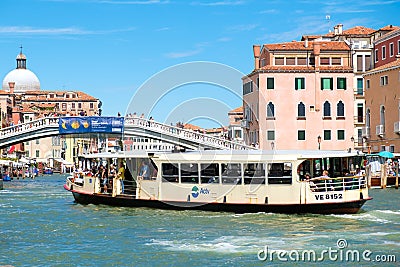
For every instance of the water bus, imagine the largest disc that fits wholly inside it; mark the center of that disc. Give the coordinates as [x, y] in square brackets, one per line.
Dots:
[234, 181]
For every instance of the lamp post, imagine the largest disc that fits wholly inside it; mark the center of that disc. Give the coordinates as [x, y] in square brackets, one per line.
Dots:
[319, 142]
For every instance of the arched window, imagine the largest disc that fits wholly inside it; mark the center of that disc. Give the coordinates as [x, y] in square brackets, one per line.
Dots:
[327, 109]
[368, 118]
[301, 110]
[270, 110]
[340, 109]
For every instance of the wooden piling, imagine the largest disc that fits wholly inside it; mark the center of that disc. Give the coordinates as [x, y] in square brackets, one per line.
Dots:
[397, 176]
[383, 176]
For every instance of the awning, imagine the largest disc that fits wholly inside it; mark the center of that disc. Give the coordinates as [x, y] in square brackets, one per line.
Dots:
[64, 162]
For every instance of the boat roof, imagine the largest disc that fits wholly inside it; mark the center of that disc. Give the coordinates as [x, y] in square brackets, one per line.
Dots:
[230, 155]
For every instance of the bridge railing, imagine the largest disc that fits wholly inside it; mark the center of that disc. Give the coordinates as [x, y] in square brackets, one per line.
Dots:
[196, 137]
[201, 139]
[29, 126]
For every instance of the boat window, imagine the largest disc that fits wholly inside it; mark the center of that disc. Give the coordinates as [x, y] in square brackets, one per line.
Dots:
[254, 173]
[280, 173]
[209, 173]
[231, 173]
[304, 167]
[170, 172]
[189, 173]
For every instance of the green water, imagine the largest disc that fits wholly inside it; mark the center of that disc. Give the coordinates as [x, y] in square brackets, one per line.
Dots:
[40, 225]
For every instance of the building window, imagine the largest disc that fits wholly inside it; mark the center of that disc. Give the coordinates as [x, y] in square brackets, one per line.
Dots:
[398, 47]
[91, 105]
[368, 62]
[247, 88]
[340, 109]
[270, 83]
[302, 61]
[391, 49]
[368, 85]
[326, 83]
[359, 63]
[64, 106]
[291, 61]
[79, 105]
[336, 61]
[270, 135]
[360, 112]
[37, 141]
[327, 135]
[279, 61]
[383, 52]
[391, 148]
[359, 86]
[270, 110]
[73, 105]
[340, 134]
[37, 152]
[301, 110]
[301, 135]
[384, 80]
[327, 109]
[341, 83]
[299, 83]
[376, 55]
[324, 61]
[258, 83]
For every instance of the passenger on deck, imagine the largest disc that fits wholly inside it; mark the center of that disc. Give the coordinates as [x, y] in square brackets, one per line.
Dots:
[121, 175]
[144, 171]
[112, 173]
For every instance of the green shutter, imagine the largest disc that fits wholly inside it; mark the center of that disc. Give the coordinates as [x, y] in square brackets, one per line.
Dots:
[299, 83]
[341, 83]
[270, 83]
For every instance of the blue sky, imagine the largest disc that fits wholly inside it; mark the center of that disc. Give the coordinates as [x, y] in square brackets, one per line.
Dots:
[109, 48]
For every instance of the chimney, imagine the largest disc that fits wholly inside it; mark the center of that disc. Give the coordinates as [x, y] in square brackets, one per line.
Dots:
[256, 52]
[306, 42]
[335, 29]
[340, 28]
[11, 85]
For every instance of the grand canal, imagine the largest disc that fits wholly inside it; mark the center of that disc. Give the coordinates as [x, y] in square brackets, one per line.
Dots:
[40, 225]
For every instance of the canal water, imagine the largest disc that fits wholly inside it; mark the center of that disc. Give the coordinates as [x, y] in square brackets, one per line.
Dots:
[40, 225]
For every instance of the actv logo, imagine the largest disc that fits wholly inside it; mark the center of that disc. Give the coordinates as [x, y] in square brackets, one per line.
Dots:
[196, 191]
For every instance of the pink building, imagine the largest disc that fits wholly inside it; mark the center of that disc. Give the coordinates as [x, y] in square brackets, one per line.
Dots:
[300, 96]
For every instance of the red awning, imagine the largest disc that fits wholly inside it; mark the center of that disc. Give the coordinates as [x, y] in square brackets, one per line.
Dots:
[11, 149]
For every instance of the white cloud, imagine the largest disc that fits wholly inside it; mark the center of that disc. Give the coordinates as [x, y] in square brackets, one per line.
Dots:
[220, 3]
[144, 2]
[269, 11]
[224, 39]
[56, 31]
[243, 27]
[31, 30]
[162, 29]
[183, 54]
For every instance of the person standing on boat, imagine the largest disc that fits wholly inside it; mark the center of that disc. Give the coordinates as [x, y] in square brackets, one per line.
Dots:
[102, 176]
[121, 175]
[144, 171]
[111, 175]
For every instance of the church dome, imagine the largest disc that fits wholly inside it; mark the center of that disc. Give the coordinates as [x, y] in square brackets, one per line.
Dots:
[24, 79]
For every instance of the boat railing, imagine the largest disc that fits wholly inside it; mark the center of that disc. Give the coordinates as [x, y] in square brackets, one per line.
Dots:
[323, 184]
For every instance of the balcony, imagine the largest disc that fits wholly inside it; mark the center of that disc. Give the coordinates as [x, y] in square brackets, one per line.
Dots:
[397, 127]
[366, 132]
[380, 130]
[245, 124]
